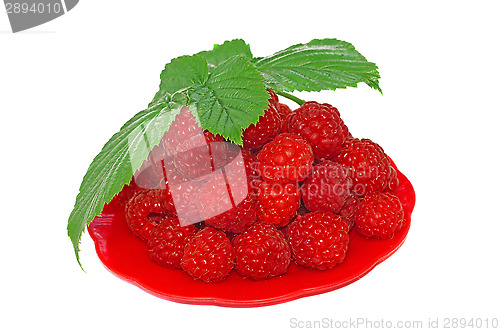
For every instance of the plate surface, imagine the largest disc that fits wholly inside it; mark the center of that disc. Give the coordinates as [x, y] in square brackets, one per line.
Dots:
[127, 257]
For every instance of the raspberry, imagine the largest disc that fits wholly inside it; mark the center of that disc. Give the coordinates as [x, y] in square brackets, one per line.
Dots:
[318, 240]
[238, 156]
[285, 113]
[370, 168]
[184, 128]
[141, 212]
[167, 240]
[274, 100]
[348, 211]
[266, 128]
[287, 158]
[321, 126]
[327, 188]
[196, 157]
[181, 198]
[126, 193]
[227, 205]
[261, 252]
[208, 256]
[336, 115]
[277, 204]
[380, 215]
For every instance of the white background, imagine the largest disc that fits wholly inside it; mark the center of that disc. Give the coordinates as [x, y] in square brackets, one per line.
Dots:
[68, 85]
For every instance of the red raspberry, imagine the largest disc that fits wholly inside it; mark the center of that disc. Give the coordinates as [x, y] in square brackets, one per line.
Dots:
[288, 158]
[285, 113]
[274, 100]
[320, 125]
[183, 128]
[327, 188]
[369, 166]
[380, 215]
[227, 204]
[167, 241]
[277, 204]
[318, 240]
[348, 211]
[261, 252]
[126, 193]
[238, 156]
[182, 198]
[266, 128]
[250, 164]
[336, 115]
[197, 156]
[142, 210]
[208, 256]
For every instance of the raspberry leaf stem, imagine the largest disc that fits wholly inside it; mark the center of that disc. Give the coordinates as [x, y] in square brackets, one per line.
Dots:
[291, 97]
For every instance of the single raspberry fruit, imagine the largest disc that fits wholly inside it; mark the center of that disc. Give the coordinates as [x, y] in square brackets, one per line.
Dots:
[182, 199]
[370, 168]
[167, 240]
[277, 203]
[183, 129]
[261, 252]
[320, 125]
[287, 158]
[266, 128]
[348, 211]
[327, 188]
[380, 215]
[274, 100]
[285, 113]
[225, 202]
[318, 240]
[197, 156]
[208, 256]
[142, 212]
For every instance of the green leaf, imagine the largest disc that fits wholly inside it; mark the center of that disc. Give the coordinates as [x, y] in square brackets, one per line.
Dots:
[325, 64]
[232, 98]
[221, 53]
[115, 165]
[179, 74]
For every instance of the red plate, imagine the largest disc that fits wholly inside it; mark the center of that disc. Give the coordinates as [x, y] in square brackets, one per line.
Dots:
[127, 257]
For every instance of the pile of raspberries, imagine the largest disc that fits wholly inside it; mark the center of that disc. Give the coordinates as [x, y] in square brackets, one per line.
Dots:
[294, 191]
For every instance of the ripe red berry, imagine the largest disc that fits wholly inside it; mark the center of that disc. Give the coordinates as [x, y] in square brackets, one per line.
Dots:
[208, 256]
[261, 252]
[318, 240]
[380, 215]
[184, 128]
[348, 211]
[285, 113]
[142, 210]
[266, 128]
[287, 158]
[167, 241]
[195, 158]
[327, 188]
[277, 203]
[320, 125]
[225, 202]
[182, 199]
[370, 168]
